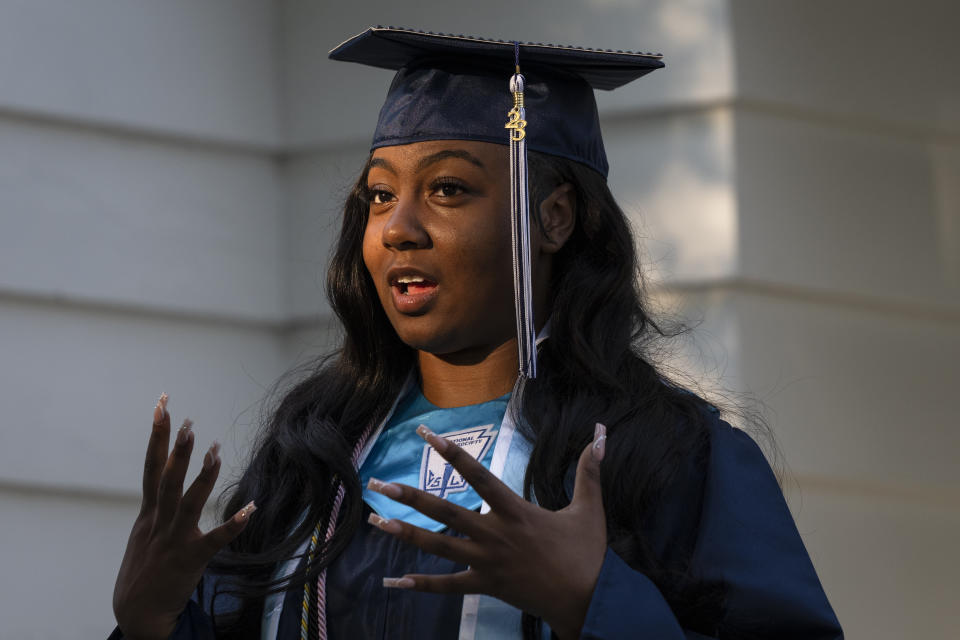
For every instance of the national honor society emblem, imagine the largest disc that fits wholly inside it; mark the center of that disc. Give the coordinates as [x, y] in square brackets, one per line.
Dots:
[437, 476]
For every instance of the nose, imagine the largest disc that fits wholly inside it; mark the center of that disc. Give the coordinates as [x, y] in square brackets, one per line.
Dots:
[404, 230]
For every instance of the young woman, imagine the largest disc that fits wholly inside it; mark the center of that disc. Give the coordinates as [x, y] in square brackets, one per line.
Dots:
[598, 499]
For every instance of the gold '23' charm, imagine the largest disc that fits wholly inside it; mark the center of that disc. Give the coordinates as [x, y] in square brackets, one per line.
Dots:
[516, 124]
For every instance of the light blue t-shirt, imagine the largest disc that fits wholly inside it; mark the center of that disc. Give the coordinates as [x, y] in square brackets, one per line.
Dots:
[400, 455]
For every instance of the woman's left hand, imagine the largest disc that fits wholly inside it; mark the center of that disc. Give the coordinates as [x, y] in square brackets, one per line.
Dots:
[543, 562]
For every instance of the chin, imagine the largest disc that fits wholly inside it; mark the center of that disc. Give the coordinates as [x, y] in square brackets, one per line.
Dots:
[423, 337]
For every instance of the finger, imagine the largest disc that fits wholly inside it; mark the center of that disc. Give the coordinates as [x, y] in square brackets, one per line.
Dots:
[453, 515]
[587, 488]
[457, 549]
[171, 480]
[216, 539]
[157, 448]
[498, 495]
[191, 506]
[461, 582]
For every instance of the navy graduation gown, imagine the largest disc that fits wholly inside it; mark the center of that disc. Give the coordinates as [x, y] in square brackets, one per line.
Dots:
[729, 516]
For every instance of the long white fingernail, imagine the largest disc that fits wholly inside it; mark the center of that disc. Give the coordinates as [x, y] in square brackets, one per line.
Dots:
[244, 513]
[390, 526]
[438, 443]
[184, 433]
[160, 410]
[399, 583]
[599, 441]
[386, 488]
[212, 456]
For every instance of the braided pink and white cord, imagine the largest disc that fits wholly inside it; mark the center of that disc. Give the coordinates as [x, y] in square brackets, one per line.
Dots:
[331, 527]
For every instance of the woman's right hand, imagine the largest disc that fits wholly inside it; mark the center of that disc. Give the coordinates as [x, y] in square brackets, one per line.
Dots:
[167, 553]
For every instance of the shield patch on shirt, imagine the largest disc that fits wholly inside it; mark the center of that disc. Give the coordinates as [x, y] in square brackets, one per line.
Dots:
[437, 476]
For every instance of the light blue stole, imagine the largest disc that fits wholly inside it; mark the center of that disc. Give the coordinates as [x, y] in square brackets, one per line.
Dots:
[400, 455]
[483, 617]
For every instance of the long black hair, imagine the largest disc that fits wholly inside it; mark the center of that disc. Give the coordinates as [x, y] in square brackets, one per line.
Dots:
[599, 364]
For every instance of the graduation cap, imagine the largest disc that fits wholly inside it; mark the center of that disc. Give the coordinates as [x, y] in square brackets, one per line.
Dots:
[456, 87]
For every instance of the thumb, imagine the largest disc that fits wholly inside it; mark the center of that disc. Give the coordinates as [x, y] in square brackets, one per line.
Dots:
[216, 539]
[587, 491]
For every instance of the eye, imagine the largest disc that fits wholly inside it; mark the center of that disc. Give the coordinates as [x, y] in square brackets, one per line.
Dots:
[447, 188]
[379, 196]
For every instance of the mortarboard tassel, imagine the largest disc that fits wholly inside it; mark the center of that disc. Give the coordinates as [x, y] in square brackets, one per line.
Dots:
[520, 225]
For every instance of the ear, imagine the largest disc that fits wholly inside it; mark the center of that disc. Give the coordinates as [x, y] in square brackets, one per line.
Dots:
[557, 218]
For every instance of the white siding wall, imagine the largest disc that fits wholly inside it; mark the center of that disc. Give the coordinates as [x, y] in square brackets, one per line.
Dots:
[203, 69]
[141, 250]
[170, 180]
[848, 291]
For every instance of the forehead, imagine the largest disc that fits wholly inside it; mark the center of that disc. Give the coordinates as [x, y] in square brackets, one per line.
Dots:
[490, 157]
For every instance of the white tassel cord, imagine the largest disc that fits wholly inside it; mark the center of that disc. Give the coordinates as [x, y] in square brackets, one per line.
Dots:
[520, 231]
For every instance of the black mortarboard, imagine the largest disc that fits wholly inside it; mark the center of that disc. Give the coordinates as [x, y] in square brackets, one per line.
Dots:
[455, 87]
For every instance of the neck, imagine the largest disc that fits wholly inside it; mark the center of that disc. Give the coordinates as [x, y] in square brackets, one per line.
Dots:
[468, 378]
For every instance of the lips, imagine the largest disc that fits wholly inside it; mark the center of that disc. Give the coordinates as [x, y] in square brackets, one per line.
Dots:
[412, 290]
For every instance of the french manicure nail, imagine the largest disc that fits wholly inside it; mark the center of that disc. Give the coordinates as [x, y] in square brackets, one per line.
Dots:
[598, 430]
[399, 583]
[438, 443]
[244, 513]
[390, 526]
[160, 410]
[424, 431]
[599, 441]
[183, 435]
[386, 488]
[212, 456]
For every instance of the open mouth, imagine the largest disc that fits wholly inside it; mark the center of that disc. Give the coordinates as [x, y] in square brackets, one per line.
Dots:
[414, 285]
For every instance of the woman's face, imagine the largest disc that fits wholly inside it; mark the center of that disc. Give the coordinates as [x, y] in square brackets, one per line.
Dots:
[437, 244]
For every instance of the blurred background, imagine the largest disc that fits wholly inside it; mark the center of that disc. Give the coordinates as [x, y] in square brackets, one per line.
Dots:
[170, 181]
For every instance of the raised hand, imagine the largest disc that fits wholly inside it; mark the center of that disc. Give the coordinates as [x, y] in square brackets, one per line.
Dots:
[167, 553]
[544, 562]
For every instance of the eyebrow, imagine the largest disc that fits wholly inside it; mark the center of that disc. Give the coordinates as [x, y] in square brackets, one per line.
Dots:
[383, 163]
[433, 158]
[449, 153]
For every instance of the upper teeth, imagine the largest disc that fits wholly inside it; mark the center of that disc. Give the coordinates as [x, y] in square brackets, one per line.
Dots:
[409, 279]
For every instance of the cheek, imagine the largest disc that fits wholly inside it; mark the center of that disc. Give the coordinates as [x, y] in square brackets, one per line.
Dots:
[374, 254]
[486, 262]
[371, 248]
